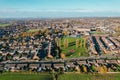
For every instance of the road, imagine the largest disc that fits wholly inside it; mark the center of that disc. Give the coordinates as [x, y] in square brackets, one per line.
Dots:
[82, 60]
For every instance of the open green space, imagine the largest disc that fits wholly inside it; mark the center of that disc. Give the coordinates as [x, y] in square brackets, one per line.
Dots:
[33, 30]
[4, 25]
[72, 51]
[25, 76]
[65, 76]
[77, 76]
[98, 33]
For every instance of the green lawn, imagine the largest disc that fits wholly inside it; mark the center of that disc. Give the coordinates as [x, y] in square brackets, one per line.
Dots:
[4, 25]
[98, 33]
[65, 76]
[77, 76]
[25, 76]
[80, 51]
[33, 30]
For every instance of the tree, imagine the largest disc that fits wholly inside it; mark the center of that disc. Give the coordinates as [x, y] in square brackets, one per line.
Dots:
[65, 32]
[84, 43]
[9, 56]
[84, 69]
[81, 43]
[65, 43]
[58, 41]
[102, 69]
[62, 55]
[77, 42]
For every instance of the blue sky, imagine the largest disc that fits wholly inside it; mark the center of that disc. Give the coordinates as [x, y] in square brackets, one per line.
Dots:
[59, 8]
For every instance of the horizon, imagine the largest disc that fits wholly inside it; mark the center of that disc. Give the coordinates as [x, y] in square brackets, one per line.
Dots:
[59, 8]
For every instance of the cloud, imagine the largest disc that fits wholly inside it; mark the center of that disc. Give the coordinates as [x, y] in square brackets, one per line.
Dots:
[65, 10]
[57, 10]
[8, 13]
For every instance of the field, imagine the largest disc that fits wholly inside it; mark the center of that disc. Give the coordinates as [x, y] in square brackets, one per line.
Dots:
[65, 76]
[33, 30]
[98, 33]
[71, 51]
[3, 25]
[25, 76]
[76, 76]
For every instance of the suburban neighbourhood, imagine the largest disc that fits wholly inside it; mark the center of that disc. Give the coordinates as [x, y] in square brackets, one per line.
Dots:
[59, 40]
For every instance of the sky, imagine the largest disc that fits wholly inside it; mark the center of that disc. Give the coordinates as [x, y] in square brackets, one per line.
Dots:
[59, 8]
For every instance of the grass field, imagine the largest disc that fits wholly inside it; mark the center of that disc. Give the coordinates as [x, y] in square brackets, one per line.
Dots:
[98, 33]
[3, 25]
[76, 76]
[33, 30]
[80, 51]
[25, 76]
[65, 76]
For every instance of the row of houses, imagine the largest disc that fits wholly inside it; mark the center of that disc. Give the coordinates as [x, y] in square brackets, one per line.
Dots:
[105, 44]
